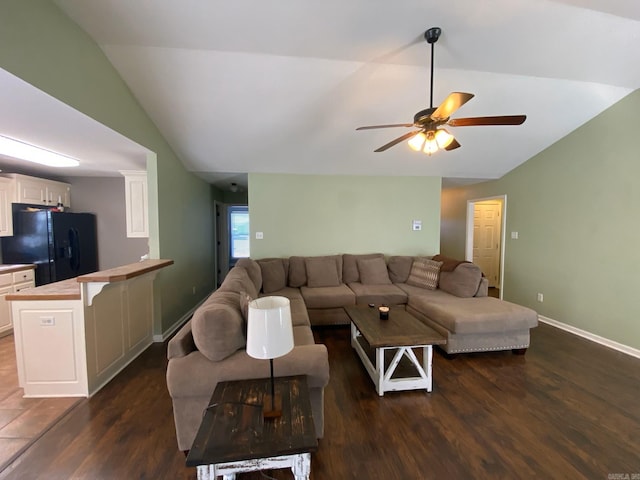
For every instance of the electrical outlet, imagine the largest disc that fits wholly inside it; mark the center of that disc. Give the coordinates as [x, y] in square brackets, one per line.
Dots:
[540, 297]
[47, 321]
[259, 235]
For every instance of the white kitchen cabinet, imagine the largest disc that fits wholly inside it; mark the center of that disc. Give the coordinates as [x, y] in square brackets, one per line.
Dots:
[137, 203]
[6, 198]
[39, 191]
[11, 282]
[58, 192]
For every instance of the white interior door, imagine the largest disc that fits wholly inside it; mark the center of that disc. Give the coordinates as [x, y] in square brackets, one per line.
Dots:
[486, 239]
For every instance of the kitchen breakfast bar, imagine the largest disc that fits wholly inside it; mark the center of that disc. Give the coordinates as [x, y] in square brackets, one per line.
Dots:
[74, 336]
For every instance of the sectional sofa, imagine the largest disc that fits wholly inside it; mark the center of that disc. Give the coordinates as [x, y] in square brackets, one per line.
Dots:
[446, 294]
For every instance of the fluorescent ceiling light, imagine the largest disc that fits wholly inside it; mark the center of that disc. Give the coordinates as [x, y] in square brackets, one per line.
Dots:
[24, 151]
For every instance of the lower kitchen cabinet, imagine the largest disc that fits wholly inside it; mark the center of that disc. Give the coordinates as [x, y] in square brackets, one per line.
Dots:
[12, 279]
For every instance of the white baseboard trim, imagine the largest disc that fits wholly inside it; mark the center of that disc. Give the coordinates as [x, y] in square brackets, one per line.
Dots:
[181, 321]
[591, 336]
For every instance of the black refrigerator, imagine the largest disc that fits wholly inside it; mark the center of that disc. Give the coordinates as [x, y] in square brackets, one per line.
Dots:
[61, 244]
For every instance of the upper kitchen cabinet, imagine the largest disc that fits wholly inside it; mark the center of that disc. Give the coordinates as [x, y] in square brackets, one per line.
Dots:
[137, 203]
[39, 191]
[7, 194]
[16, 188]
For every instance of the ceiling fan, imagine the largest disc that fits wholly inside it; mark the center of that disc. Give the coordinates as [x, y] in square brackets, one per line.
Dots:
[430, 135]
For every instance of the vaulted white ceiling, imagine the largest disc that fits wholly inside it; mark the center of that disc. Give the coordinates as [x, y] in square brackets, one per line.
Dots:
[280, 86]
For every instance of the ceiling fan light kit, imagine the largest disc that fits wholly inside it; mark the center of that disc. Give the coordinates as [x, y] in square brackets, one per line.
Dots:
[430, 136]
[430, 142]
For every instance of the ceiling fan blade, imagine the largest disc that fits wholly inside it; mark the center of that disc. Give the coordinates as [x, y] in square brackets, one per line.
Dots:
[452, 103]
[406, 136]
[370, 127]
[452, 146]
[500, 120]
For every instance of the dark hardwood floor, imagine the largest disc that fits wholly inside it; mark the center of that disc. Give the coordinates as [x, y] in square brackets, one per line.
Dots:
[569, 408]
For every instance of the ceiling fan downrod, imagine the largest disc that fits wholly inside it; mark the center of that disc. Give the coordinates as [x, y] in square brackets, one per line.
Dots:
[431, 36]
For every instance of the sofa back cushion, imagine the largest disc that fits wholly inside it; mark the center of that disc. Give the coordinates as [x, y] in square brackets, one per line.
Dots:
[424, 273]
[253, 269]
[274, 274]
[350, 271]
[324, 271]
[238, 280]
[399, 267]
[373, 271]
[218, 326]
[297, 272]
[463, 281]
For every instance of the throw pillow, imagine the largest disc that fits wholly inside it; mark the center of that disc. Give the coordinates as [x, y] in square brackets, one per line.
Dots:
[424, 273]
[350, 273]
[322, 272]
[274, 277]
[373, 271]
[399, 267]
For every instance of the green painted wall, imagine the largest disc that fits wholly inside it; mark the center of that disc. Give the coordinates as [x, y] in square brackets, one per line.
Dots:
[319, 214]
[39, 44]
[576, 207]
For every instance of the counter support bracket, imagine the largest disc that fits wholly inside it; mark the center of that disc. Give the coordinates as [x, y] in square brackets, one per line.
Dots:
[93, 289]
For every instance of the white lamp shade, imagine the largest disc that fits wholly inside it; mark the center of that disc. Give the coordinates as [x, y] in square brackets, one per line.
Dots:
[269, 327]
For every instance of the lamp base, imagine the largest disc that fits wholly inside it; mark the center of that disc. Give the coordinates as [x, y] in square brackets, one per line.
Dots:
[272, 409]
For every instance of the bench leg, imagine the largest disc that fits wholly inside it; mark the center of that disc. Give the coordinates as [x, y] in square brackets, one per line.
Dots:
[519, 351]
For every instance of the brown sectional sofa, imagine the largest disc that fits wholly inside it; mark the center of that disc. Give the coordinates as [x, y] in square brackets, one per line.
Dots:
[211, 347]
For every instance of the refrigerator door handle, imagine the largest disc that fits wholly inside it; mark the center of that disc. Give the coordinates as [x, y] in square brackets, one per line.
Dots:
[74, 249]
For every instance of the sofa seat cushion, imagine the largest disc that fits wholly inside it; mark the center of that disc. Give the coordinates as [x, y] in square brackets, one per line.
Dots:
[473, 315]
[378, 294]
[299, 315]
[302, 335]
[289, 292]
[310, 360]
[328, 297]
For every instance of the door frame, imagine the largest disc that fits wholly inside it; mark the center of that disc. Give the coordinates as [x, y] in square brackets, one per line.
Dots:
[503, 228]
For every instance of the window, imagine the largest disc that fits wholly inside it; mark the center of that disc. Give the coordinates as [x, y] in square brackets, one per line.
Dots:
[238, 232]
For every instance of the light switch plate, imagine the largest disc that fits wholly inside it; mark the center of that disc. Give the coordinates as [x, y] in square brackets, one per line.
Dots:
[417, 225]
[514, 235]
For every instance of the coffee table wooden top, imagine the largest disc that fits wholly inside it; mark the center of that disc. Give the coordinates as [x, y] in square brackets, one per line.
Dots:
[401, 329]
[233, 428]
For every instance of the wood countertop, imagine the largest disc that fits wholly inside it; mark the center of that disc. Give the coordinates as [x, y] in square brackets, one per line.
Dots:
[64, 290]
[125, 272]
[70, 289]
[15, 268]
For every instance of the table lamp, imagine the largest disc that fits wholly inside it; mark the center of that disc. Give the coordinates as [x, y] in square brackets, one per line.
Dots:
[269, 336]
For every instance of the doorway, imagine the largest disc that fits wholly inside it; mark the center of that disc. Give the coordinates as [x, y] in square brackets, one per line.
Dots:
[232, 237]
[486, 223]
